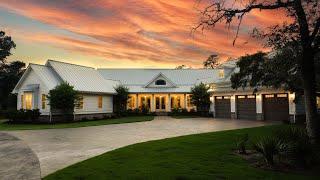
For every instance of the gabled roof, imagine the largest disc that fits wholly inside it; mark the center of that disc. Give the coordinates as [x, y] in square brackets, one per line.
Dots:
[46, 74]
[84, 79]
[140, 77]
[160, 75]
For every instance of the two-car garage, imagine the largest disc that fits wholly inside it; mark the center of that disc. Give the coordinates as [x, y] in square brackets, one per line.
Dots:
[274, 107]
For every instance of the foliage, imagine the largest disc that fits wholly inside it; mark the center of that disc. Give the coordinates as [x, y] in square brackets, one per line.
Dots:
[211, 62]
[269, 147]
[241, 143]
[121, 99]
[200, 97]
[63, 97]
[6, 45]
[10, 73]
[22, 115]
[298, 147]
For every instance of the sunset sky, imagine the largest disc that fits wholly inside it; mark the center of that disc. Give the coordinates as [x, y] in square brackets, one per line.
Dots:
[122, 33]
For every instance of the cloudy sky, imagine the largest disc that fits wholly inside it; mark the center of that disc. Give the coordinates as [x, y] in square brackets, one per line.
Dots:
[122, 33]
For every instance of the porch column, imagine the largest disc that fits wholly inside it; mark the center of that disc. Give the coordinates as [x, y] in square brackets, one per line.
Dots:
[259, 107]
[233, 107]
[169, 102]
[137, 101]
[152, 103]
[185, 100]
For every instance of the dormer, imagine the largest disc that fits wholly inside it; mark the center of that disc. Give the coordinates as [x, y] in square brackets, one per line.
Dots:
[160, 80]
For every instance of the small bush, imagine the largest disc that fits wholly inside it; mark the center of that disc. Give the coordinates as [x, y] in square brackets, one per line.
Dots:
[19, 116]
[241, 143]
[268, 147]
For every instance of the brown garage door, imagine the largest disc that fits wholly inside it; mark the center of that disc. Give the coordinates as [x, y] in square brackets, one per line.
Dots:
[246, 107]
[222, 107]
[276, 107]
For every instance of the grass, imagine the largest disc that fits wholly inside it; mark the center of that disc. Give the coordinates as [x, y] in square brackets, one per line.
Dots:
[6, 126]
[202, 156]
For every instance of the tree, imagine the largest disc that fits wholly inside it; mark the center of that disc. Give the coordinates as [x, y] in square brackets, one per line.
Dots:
[211, 62]
[121, 99]
[63, 98]
[10, 73]
[6, 45]
[200, 97]
[183, 67]
[304, 30]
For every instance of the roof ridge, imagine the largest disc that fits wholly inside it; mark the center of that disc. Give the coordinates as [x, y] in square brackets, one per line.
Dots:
[70, 63]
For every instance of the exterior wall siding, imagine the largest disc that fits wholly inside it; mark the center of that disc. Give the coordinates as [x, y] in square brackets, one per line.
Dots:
[90, 104]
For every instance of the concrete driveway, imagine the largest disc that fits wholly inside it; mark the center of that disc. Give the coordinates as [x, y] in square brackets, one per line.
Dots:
[58, 148]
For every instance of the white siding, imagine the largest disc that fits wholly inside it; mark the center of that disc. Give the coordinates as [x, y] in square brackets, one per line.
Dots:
[33, 78]
[90, 104]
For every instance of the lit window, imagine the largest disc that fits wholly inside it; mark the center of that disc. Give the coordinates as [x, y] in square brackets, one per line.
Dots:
[221, 73]
[28, 100]
[22, 101]
[241, 97]
[43, 101]
[161, 82]
[80, 103]
[131, 102]
[189, 103]
[219, 97]
[100, 102]
[251, 96]
[226, 97]
[318, 102]
[269, 96]
[281, 95]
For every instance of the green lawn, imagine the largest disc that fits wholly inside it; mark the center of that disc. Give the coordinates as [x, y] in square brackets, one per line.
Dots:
[202, 156]
[6, 126]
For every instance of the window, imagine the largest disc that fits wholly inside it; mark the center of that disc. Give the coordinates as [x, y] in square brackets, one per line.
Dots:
[43, 101]
[189, 103]
[221, 73]
[28, 100]
[22, 101]
[100, 102]
[131, 102]
[79, 105]
[161, 82]
[318, 102]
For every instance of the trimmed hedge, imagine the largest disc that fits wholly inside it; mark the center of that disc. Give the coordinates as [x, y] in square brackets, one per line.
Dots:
[22, 115]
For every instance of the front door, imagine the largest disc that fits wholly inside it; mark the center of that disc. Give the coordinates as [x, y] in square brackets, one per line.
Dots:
[160, 103]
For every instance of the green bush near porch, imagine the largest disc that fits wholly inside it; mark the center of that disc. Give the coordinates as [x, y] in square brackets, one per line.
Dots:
[201, 156]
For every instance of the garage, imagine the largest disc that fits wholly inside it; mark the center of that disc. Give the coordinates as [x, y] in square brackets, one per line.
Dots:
[246, 107]
[276, 107]
[222, 107]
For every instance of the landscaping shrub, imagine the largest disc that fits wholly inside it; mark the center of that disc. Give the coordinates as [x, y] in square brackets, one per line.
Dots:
[268, 147]
[298, 147]
[19, 116]
[241, 143]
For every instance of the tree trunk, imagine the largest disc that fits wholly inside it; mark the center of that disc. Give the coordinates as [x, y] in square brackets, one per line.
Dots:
[309, 85]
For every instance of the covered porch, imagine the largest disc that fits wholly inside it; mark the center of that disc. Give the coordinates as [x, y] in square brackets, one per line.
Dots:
[160, 102]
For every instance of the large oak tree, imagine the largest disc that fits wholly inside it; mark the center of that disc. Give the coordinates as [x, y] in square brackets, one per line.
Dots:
[303, 29]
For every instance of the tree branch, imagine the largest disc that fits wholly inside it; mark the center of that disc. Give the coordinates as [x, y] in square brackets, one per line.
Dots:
[315, 30]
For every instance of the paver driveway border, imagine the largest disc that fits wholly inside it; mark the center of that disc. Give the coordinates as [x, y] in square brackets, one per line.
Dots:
[59, 148]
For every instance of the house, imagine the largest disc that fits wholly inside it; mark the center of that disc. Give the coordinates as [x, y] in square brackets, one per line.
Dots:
[160, 90]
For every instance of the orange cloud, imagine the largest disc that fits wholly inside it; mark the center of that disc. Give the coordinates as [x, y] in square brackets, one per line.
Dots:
[156, 31]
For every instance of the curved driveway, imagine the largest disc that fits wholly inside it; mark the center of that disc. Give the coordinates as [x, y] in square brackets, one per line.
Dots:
[58, 148]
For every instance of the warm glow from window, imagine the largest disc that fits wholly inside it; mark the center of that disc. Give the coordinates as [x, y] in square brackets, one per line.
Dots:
[282, 95]
[221, 73]
[80, 103]
[100, 102]
[269, 96]
[189, 103]
[241, 97]
[131, 102]
[219, 97]
[251, 96]
[28, 100]
[43, 101]
[226, 97]
[318, 102]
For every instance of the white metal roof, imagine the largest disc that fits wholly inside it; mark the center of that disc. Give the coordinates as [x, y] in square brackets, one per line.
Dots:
[84, 79]
[143, 76]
